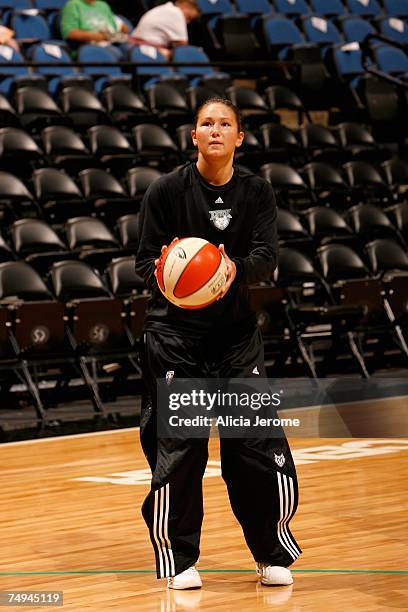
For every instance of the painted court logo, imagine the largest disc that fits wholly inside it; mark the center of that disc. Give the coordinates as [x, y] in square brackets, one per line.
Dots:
[221, 218]
[279, 459]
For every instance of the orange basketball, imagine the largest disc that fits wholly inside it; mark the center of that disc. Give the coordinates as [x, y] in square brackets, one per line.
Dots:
[192, 273]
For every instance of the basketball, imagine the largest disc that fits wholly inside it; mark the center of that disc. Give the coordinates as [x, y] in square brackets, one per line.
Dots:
[192, 273]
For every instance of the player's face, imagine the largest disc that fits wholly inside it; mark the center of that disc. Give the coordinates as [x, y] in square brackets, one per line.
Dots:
[216, 134]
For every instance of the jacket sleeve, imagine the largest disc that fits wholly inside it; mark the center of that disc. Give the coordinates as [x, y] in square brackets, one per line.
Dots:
[263, 254]
[154, 231]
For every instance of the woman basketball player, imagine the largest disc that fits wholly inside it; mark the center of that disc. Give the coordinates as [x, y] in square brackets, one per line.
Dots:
[235, 209]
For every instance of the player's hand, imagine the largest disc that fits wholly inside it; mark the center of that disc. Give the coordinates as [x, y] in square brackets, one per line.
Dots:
[164, 249]
[231, 272]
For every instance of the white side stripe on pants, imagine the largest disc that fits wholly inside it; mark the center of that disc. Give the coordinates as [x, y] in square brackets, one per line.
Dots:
[160, 531]
[286, 501]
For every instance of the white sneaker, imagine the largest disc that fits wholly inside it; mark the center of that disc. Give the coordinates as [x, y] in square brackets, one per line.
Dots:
[189, 579]
[274, 575]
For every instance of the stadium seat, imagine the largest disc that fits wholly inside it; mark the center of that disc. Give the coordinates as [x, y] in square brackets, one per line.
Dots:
[280, 35]
[292, 7]
[365, 8]
[254, 7]
[320, 143]
[129, 286]
[37, 243]
[57, 194]
[49, 5]
[12, 77]
[366, 183]
[290, 189]
[391, 60]
[128, 229]
[397, 8]
[149, 75]
[111, 149]
[200, 74]
[326, 225]
[59, 76]
[155, 146]
[359, 143]
[370, 222]
[168, 104]
[253, 107]
[15, 199]
[385, 255]
[109, 72]
[280, 144]
[30, 28]
[281, 98]
[8, 116]
[291, 232]
[37, 109]
[321, 31]
[65, 149]
[104, 192]
[327, 184]
[394, 28]
[91, 241]
[355, 29]
[213, 7]
[235, 37]
[126, 107]
[17, 144]
[139, 180]
[329, 8]
[396, 174]
[82, 107]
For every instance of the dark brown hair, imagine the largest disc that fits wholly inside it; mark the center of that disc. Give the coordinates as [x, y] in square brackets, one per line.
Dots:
[224, 101]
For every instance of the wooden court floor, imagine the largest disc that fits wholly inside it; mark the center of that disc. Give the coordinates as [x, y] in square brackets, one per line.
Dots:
[70, 521]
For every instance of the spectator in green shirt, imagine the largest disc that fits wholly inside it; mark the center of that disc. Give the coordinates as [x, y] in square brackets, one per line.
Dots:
[84, 21]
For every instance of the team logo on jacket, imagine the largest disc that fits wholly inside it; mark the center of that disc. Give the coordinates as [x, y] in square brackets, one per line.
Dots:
[169, 376]
[279, 459]
[221, 218]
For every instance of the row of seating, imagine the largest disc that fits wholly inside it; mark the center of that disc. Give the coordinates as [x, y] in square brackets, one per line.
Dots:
[89, 238]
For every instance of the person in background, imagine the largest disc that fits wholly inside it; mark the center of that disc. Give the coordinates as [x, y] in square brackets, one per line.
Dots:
[165, 26]
[87, 21]
[7, 38]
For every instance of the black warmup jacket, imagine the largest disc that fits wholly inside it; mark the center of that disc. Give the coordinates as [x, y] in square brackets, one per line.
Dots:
[240, 214]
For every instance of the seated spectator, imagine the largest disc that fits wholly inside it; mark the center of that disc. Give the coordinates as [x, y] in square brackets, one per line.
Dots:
[84, 21]
[7, 38]
[165, 26]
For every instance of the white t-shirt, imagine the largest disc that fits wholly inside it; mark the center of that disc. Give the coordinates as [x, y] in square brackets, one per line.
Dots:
[162, 25]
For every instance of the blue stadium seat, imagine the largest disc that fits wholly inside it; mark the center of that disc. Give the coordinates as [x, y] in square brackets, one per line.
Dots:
[215, 7]
[30, 27]
[367, 8]
[281, 34]
[355, 29]
[49, 5]
[188, 53]
[391, 60]
[254, 7]
[395, 29]
[321, 31]
[57, 75]
[153, 74]
[292, 7]
[327, 7]
[15, 4]
[397, 8]
[10, 75]
[347, 60]
[109, 72]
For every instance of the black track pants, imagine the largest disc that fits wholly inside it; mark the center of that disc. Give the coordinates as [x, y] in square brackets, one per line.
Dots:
[263, 493]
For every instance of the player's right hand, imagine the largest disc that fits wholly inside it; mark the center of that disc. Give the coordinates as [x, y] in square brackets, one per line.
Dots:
[164, 249]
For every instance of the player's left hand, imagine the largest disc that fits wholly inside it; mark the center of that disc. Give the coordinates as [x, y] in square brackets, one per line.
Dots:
[231, 272]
